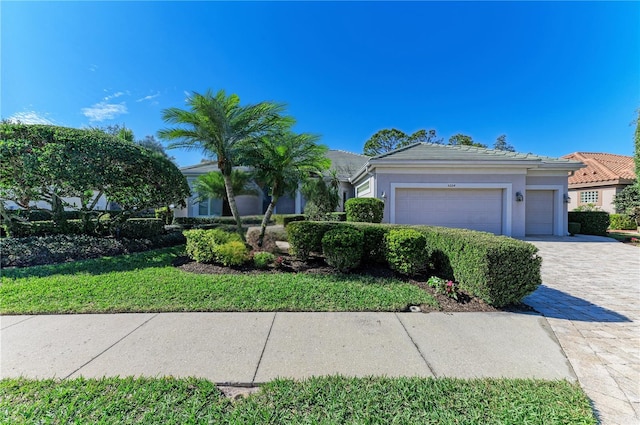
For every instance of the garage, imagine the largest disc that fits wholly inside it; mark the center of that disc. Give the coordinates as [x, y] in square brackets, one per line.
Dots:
[539, 212]
[476, 209]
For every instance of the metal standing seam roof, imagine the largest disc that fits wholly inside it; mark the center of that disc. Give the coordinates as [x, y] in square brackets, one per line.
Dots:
[602, 167]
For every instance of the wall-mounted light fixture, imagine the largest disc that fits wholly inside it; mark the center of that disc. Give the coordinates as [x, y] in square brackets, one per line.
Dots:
[383, 196]
[567, 199]
[519, 197]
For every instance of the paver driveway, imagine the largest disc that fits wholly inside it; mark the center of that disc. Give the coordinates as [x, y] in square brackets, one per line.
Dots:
[591, 297]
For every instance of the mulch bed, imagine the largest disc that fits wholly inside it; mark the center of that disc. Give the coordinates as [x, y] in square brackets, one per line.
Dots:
[464, 303]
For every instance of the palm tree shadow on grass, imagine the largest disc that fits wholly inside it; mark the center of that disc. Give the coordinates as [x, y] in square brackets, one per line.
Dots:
[556, 304]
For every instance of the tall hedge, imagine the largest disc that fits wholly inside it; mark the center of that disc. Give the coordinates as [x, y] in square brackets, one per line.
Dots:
[591, 222]
[368, 210]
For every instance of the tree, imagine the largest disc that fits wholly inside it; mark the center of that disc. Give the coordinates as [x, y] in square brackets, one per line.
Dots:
[387, 140]
[464, 140]
[637, 150]
[150, 142]
[281, 161]
[49, 163]
[217, 124]
[211, 186]
[502, 145]
[321, 193]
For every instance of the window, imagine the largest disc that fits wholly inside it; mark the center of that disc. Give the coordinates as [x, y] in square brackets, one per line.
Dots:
[363, 189]
[589, 197]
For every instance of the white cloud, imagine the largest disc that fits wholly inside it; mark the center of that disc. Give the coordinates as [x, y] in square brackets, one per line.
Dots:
[30, 117]
[93, 68]
[113, 96]
[150, 97]
[104, 111]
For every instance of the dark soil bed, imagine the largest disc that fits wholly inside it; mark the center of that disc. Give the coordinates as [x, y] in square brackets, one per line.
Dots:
[464, 303]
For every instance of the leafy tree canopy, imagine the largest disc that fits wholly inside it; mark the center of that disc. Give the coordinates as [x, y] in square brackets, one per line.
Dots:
[47, 163]
[637, 149]
[502, 145]
[387, 140]
[464, 140]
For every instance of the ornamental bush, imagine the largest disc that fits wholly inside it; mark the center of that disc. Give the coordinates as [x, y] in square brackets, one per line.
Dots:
[285, 219]
[406, 251]
[201, 243]
[139, 228]
[305, 237]
[232, 253]
[591, 222]
[368, 210]
[342, 248]
[621, 222]
[263, 259]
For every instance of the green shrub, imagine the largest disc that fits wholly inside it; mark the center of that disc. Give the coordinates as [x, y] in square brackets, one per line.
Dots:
[368, 210]
[497, 269]
[621, 222]
[285, 219]
[591, 222]
[373, 244]
[139, 228]
[201, 243]
[305, 237]
[262, 260]
[49, 228]
[272, 235]
[342, 248]
[574, 228]
[233, 253]
[406, 251]
[337, 216]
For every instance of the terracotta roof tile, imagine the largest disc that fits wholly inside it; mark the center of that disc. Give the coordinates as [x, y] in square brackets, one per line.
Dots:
[601, 167]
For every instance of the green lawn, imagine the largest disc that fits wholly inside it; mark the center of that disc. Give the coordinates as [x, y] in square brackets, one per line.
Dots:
[622, 236]
[325, 400]
[146, 282]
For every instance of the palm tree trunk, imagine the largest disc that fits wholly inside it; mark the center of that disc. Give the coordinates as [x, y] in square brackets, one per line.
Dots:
[266, 218]
[232, 203]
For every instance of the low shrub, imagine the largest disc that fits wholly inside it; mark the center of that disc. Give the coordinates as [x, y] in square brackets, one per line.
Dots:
[591, 222]
[406, 251]
[263, 259]
[165, 214]
[497, 269]
[201, 243]
[20, 229]
[342, 248]
[139, 228]
[574, 228]
[232, 253]
[337, 216]
[285, 219]
[373, 244]
[369, 210]
[272, 235]
[305, 237]
[621, 222]
[444, 287]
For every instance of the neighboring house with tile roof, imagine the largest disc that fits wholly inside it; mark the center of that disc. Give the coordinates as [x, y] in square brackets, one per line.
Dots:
[501, 192]
[602, 177]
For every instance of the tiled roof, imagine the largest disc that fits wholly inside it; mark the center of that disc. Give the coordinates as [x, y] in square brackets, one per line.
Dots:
[601, 167]
[437, 152]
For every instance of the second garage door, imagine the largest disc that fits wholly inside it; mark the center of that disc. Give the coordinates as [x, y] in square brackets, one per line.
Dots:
[477, 209]
[539, 212]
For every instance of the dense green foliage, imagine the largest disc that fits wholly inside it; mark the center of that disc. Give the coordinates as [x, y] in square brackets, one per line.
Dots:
[368, 210]
[133, 228]
[201, 243]
[321, 193]
[305, 237]
[627, 199]
[232, 253]
[188, 222]
[148, 282]
[573, 228]
[211, 186]
[48, 163]
[591, 222]
[33, 251]
[406, 251]
[165, 214]
[285, 219]
[621, 222]
[318, 400]
[387, 140]
[342, 248]
[262, 260]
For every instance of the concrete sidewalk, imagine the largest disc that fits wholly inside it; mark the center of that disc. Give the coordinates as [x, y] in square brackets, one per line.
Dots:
[251, 348]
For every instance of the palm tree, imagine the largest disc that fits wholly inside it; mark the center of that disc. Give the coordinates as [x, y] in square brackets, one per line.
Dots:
[281, 162]
[217, 124]
[211, 185]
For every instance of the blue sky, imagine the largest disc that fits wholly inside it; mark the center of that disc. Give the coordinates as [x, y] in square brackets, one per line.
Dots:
[554, 77]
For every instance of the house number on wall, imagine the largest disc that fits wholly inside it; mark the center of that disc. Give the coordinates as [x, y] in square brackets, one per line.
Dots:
[451, 185]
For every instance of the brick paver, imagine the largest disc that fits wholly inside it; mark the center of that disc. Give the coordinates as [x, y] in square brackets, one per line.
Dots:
[591, 297]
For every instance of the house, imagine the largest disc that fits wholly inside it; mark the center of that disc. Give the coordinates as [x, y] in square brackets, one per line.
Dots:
[602, 177]
[501, 192]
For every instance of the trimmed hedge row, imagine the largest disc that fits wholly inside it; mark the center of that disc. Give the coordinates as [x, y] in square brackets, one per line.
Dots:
[368, 210]
[285, 219]
[134, 228]
[621, 222]
[591, 222]
[497, 269]
[200, 221]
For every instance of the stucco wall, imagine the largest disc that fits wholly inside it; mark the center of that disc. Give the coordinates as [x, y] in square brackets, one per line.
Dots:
[606, 196]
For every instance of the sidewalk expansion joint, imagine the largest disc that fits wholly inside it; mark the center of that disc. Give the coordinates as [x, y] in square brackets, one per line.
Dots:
[264, 348]
[17, 323]
[416, 345]
[112, 345]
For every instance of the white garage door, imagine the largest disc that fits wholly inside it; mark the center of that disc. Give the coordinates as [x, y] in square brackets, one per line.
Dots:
[539, 212]
[477, 209]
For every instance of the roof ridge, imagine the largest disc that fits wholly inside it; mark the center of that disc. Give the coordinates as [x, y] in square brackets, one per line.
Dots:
[351, 153]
